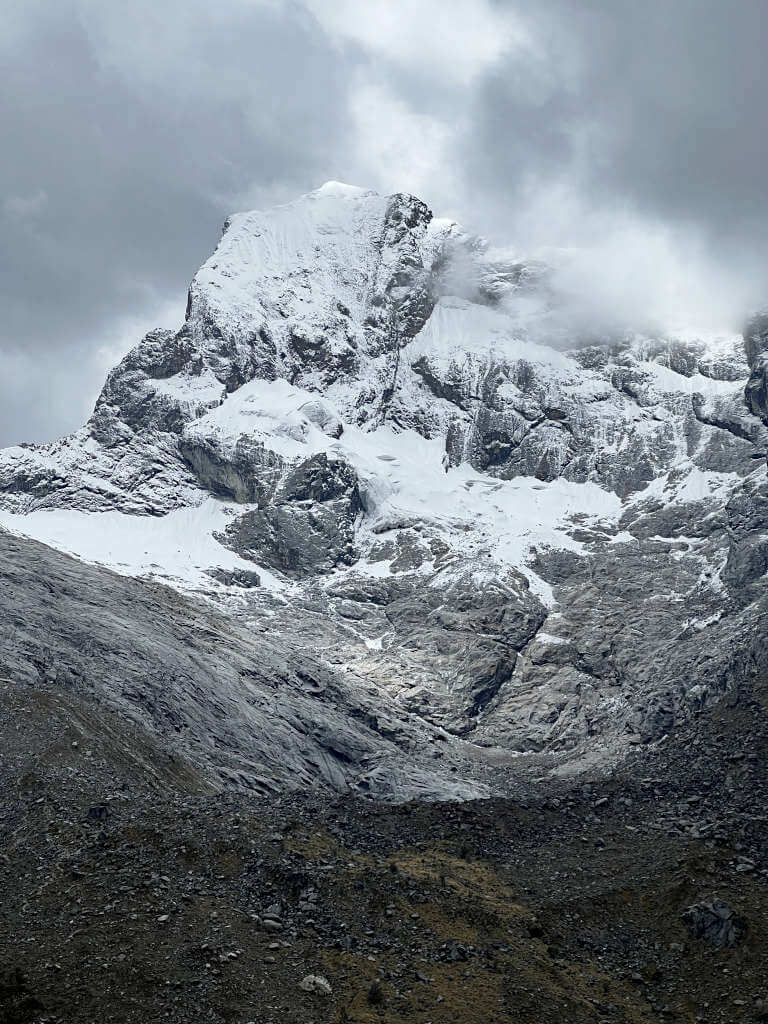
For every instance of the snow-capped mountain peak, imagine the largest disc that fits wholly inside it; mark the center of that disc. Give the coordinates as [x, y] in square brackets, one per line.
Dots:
[367, 431]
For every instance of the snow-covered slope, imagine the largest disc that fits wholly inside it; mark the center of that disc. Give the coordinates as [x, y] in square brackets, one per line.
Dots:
[366, 435]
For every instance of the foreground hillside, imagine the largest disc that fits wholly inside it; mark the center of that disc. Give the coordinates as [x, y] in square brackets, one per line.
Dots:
[147, 874]
[132, 893]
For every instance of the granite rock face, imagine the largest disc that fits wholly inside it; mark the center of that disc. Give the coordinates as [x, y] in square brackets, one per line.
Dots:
[374, 442]
[243, 708]
[715, 922]
[756, 347]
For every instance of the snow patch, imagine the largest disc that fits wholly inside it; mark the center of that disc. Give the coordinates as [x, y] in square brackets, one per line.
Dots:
[179, 547]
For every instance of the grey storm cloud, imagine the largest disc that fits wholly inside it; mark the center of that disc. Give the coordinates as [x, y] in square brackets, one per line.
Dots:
[129, 132]
[660, 105]
[118, 170]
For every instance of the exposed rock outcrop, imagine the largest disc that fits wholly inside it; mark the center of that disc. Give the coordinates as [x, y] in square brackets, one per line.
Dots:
[373, 439]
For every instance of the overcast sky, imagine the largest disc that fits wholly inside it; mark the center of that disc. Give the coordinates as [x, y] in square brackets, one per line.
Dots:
[633, 132]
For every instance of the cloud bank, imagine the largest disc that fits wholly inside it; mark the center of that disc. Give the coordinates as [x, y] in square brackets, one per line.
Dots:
[630, 137]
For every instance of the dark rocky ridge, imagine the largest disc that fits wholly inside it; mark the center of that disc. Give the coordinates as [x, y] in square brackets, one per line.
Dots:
[237, 707]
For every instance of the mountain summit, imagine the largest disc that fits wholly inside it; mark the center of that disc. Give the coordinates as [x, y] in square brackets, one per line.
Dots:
[372, 443]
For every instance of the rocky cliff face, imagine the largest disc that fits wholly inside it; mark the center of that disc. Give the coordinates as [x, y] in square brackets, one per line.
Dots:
[370, 442]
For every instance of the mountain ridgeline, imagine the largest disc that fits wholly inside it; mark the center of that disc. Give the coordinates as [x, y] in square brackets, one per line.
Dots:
[386, 529]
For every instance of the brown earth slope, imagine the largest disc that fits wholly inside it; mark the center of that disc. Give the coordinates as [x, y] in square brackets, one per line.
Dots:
[136, 895]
